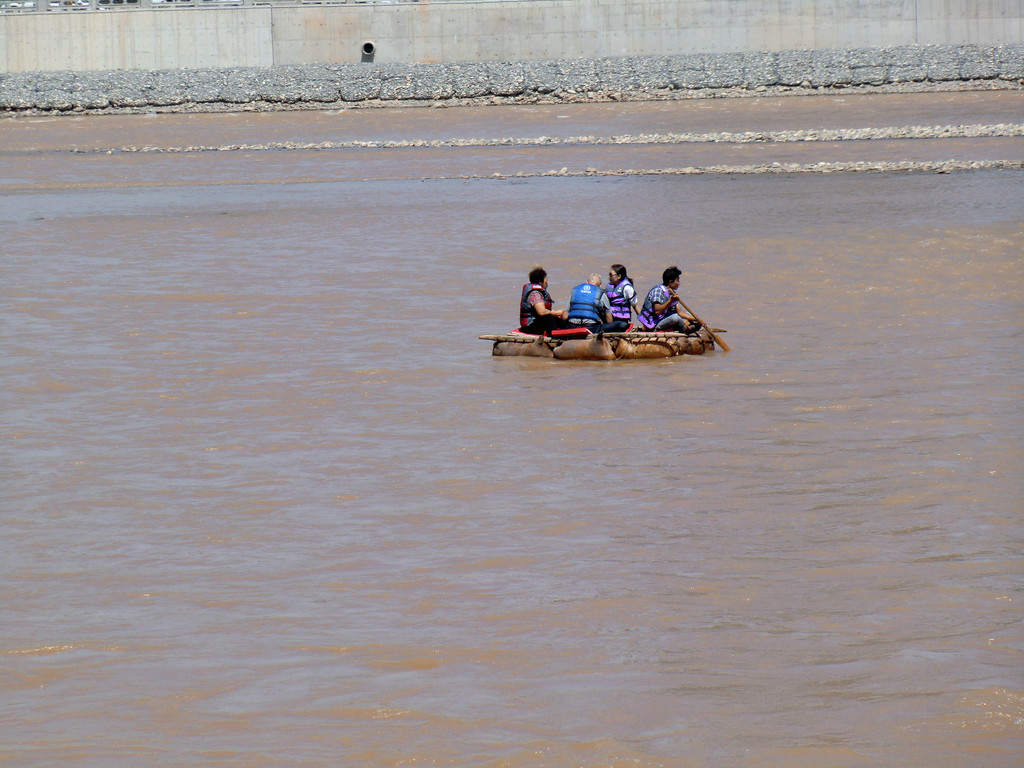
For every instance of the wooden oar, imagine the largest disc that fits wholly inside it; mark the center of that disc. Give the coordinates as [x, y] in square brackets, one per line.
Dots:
[715, 336]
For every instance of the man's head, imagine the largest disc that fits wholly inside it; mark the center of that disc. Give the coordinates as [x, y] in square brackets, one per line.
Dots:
[670, 274]
[594, 280]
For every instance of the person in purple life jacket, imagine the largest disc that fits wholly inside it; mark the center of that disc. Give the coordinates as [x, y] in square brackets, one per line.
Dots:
[661, 311]
[621, 299]
[535, 313]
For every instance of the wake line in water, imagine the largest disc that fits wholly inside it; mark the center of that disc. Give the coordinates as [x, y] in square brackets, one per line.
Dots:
[899, 166]
[860, 166]
[1001, 130]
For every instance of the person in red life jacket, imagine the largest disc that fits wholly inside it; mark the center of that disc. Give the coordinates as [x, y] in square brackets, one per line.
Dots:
[621, 299]
[535, 313]
[660, 311]
[588, 305]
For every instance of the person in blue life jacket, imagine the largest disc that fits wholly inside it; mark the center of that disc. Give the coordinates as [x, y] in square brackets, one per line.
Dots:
[535, 313]
[661, 312]
[621, 299]
[588, 305]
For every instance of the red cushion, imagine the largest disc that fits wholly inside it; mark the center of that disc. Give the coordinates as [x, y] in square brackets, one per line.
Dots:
[560, 333]
[570, 333]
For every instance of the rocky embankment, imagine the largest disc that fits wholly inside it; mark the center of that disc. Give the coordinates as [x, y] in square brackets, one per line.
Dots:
[572, 80]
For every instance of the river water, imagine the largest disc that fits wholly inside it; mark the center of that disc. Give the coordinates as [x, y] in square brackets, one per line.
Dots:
[269, 501]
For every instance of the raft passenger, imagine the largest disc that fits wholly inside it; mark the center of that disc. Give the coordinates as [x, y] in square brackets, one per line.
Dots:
[535, 313]
[621, 299]
[660, 311]
[588, 305]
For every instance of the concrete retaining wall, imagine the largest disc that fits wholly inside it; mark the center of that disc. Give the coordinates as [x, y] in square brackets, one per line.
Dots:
[252, 35]
[239, 37]
[320, 85]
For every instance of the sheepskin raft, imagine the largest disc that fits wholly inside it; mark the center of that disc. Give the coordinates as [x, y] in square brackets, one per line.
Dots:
[634, 345]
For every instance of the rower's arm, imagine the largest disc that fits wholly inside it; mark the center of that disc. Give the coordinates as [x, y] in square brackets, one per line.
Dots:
[665, 305]
[541, 310]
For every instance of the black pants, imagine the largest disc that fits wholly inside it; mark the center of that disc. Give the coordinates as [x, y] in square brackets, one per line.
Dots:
[616, 326]
[543, 325]
[592, 327]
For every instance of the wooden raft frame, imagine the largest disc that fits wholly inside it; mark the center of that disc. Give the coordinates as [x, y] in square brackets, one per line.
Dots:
[625, 346]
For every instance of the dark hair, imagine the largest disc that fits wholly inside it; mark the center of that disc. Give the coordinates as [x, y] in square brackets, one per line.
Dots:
[537, 275]
[620, 271]
[670, 274]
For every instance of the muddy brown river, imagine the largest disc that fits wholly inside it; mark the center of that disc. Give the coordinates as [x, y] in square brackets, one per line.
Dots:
[269, 501]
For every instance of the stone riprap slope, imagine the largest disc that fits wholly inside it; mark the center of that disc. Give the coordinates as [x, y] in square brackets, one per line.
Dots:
[627, 78]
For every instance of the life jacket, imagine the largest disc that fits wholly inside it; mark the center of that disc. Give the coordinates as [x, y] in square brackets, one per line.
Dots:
[526, 312]
[648, 318]
[620, 304]
[583, 303]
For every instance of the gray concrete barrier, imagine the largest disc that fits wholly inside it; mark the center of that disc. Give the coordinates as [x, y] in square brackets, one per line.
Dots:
[101, 35]
[582, 79]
